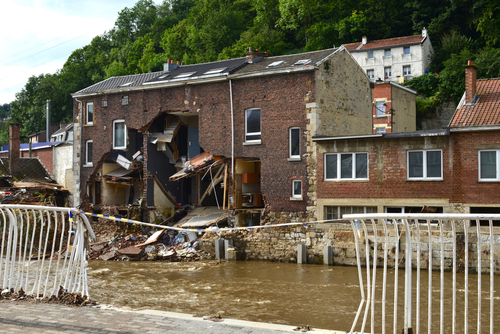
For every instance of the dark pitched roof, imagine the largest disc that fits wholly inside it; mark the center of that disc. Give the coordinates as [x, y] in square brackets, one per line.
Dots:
[385, 43]
[119, 82]
[214, 68]
[487, 109]
[30, 170]
[65, 128]
[138, 80]
[288, 62]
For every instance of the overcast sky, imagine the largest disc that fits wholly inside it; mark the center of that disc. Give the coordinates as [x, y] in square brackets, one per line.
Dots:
[38, 36]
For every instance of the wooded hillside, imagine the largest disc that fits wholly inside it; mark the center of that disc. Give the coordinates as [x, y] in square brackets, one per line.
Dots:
[194, 31]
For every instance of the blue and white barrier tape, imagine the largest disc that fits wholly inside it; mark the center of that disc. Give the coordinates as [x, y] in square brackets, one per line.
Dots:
[210, 229]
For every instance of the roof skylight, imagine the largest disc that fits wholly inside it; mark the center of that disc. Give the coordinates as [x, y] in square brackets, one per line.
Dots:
[276, 63]
[127, 84]
[185, 75]
[215, 70]
[163, 76]
[302, 62]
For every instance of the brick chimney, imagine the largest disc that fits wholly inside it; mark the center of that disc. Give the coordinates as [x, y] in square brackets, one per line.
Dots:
[253, 55]
[14, 148]
[470, 81]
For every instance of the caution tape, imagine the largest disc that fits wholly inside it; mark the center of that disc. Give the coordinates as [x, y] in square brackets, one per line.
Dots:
[210, 229]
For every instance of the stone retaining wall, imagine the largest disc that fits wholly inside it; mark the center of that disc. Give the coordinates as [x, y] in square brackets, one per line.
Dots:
[280, 244]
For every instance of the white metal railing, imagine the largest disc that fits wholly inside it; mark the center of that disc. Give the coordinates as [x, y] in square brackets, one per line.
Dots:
[389, 232]
[42, 249]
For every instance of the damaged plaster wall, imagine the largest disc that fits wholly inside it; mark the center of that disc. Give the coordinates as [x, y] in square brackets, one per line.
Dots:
[344, 97]
[63, 160]
[405, 110]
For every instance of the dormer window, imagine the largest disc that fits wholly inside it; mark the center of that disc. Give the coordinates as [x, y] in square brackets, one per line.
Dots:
[276, 63]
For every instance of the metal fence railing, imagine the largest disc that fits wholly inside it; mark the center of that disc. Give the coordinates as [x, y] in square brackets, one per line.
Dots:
[43, 249]
[457, 252]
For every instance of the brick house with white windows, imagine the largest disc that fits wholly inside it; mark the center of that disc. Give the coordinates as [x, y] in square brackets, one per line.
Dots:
[247, 123]
[451, 170]
[396, 59]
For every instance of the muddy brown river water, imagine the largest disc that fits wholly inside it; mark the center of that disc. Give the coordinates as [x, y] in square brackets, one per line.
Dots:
[282, 293]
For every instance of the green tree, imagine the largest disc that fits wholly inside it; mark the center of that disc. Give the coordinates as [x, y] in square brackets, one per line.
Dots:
[452, 78]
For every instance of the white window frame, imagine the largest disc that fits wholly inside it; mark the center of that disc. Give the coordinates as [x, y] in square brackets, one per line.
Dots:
[380, 129]
[380, 112]
[91, 105]
[340, 208]
[339, 167]
[387, 53]
[115, 122]
[404, 50]
[424, 166]
[406, 67]
[247, 134]
[293, 156]
[125, 100]
[372, 72]
[370, 53]
[296, 195]
[88, 162]
[497, 167]
[385, 72]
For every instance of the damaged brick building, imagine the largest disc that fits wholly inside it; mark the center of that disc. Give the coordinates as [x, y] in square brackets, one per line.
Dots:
[236, 134]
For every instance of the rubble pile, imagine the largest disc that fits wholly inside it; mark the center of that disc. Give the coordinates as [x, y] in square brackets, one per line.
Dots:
[147, 245]
[63, 297]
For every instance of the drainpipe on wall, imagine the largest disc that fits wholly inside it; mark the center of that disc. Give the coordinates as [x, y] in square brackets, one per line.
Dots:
[77, 155]
[232, 129]
[48, 122]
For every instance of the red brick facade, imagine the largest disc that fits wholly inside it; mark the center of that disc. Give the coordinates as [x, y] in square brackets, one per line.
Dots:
[280, 97]
[387, 170]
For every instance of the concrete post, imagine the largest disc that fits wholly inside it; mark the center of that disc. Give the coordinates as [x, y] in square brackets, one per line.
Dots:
[328, 255]
[227, 244]
[219, 248]
[301, 254]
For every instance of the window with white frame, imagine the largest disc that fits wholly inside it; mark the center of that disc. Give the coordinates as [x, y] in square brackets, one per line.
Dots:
[89, 115]
[336, 212]
[380, 129]
[489, 166]
[387, 52]
[119, 135]
[406, 50]
[104, 103]
[380, 108]
[88, 152]
[294, 138]
[370, 54]
[407, 70]
[387, 72]
[124, 100]
[297, 189]
[425, 165]
[252, 125]
[370, 74]
[346, 166]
